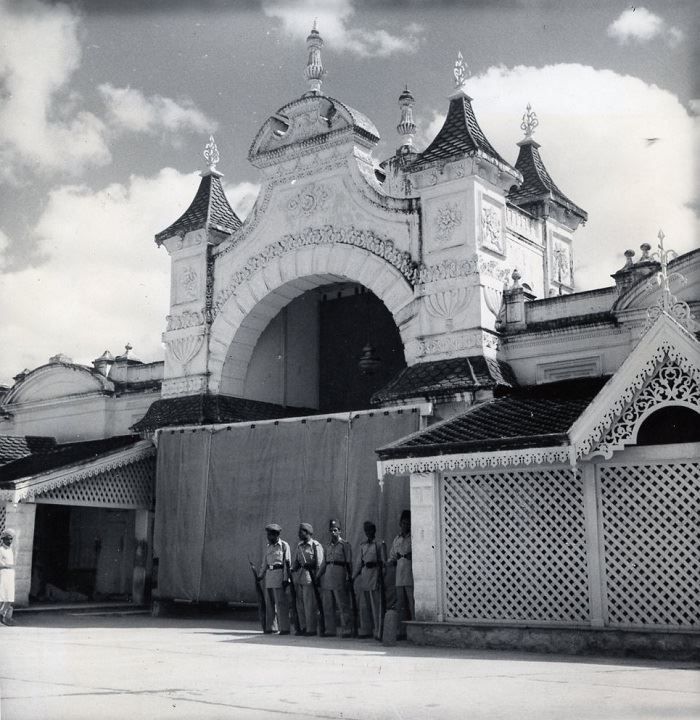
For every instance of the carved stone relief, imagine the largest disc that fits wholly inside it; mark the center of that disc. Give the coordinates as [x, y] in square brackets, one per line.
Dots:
[184, 347]
[309, 200]
[447, 219]
[492, 229]
[187, 283]
[560, 265]
[456, 343]
[186, 319]
[448, 304]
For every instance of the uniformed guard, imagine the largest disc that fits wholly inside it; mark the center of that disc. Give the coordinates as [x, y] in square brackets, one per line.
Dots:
[335, 575]
[401, 556]
[370, 573]
[275, 574]
[308, 558]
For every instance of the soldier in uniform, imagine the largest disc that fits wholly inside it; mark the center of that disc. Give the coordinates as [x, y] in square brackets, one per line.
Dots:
[335, 573]
[308, 558]
[401, 557]
[275, 574]
[370, 569]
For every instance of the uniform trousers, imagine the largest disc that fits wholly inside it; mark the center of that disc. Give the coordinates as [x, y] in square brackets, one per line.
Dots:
[306, 607]
[336, 598]
[405, 606]
[276, 605]
[371, 613]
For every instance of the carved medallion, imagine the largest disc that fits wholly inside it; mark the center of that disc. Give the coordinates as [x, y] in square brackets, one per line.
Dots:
[491, 229]
[447, 219]
[307, 201]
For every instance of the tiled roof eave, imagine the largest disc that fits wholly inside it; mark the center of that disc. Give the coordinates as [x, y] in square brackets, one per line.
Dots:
[420, 163]
[517, 198]
[475, 446]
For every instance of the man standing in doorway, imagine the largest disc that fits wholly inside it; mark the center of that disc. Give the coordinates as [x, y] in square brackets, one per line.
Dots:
[275, 574]
[7, 576]
[308, 559]
[401, 556]
[334, 576]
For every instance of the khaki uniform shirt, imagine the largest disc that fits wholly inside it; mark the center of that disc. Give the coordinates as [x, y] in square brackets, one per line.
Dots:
[277, 554]
[335, 576]
[404, 572]
[372, 553]
[307, 553]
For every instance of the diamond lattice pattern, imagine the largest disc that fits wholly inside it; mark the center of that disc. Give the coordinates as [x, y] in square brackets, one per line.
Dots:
[3, 514]
[129, 486]
[514, 546]
[651, 538]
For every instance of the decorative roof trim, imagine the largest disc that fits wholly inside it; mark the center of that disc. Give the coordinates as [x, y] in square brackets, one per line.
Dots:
[559, 455]
[29, 487]
[665, 341]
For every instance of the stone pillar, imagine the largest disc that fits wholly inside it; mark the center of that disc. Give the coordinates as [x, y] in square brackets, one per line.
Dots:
[20, 518]
[426, 546]
[142, 559]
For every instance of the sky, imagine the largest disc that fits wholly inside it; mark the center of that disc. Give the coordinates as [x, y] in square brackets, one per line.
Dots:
[105, 108]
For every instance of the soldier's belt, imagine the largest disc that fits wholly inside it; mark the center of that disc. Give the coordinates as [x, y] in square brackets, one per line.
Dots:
[370, 565]
[407, 556]
[337, 562]
[276, 566]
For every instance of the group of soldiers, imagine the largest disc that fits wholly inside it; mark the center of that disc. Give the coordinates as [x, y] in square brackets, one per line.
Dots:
[309, 585]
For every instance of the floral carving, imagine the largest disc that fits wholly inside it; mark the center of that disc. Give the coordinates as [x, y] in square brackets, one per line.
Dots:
[186, 319]
[325, 235]
[448, 218]
[451, 269]
[183, 386]
[456, 342]
[307, 201]
[189, 283]
[491, 229]
[185, 347]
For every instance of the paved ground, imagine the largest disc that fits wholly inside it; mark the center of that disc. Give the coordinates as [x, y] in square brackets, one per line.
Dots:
[134, 666]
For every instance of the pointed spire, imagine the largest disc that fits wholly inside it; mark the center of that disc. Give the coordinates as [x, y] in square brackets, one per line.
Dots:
[407, 127]
[314, 71]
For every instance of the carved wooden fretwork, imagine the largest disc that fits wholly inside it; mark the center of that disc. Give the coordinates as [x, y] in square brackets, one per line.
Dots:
[666, 378]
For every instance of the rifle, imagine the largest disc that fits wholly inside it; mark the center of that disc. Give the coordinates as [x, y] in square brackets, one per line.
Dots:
[260, 594]
[317, 594]
[292, 594]
[381, 554]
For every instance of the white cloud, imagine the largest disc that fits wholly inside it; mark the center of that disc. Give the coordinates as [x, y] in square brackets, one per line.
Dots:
[637, 24]
[4, 245]
[297, 17]
[594, 126]
[39, 126]
[104, 281]
[129, 109]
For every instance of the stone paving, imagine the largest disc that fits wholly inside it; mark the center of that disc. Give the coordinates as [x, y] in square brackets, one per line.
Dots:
[56, 666]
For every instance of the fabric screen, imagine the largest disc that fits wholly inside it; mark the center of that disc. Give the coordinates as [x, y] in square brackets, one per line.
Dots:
[217, 489]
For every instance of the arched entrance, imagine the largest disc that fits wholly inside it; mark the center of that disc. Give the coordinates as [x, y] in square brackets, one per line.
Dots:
[306, 317]
[330, 349]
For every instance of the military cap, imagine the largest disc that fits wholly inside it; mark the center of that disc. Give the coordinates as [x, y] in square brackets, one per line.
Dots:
[273, 527]
[307, 527]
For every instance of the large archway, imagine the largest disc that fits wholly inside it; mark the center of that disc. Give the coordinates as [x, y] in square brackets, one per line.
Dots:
[243, 318]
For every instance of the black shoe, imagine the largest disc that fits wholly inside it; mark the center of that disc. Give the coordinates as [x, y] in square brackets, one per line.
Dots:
[267, 632]
[284, 632]
[300, 633]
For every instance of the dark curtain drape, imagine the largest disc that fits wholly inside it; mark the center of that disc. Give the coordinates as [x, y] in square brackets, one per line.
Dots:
[217, 489]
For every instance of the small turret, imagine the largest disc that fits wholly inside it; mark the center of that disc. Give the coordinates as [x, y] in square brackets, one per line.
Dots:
[406, 127]
[314, 71]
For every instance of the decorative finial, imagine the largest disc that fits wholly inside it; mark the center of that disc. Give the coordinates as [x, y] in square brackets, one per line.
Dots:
[668, 303]
[211, 153]
[516, 278]
[314, 71]
[406, 127]
[460, 71]
[128, 347]
[530, 121]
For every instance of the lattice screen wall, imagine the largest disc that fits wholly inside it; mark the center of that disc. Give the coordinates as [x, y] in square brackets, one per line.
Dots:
[2, 518]
[514, 545]
[129, 486]
[651, 536]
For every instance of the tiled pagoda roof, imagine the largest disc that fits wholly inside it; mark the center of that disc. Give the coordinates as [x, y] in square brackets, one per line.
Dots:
[537, 183]
[16, 447]
[536, 416]
[209, 209]
[440, 378]
[460, 135]
[210, 409]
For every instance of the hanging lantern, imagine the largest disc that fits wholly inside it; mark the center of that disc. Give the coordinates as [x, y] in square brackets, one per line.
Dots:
[369, 360]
